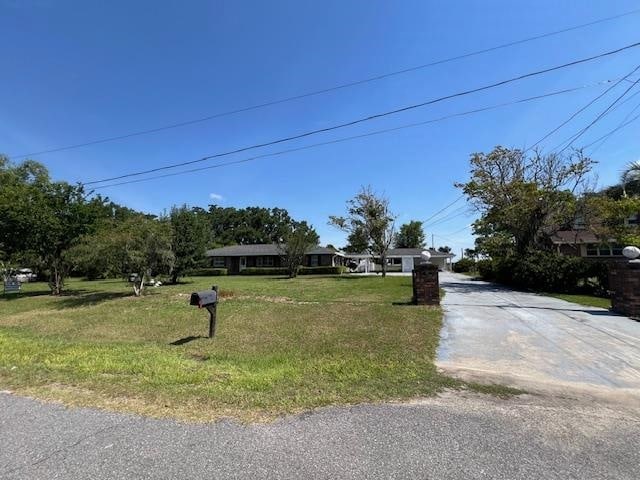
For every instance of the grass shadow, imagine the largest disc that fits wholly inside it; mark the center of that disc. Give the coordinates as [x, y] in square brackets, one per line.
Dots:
[77, 299]
[184, 340]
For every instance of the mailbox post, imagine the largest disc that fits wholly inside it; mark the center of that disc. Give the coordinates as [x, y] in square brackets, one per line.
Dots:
[209, 300]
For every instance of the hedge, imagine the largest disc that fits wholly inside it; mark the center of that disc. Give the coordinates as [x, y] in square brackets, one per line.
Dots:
[322, 270]
[464, 265]
[264, 271]
[547, 272]
[209, 272]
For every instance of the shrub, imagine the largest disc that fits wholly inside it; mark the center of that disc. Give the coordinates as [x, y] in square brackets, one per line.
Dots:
[546, 271]
[265, 271]
[328, 270]
[464, 265]
[209, 272]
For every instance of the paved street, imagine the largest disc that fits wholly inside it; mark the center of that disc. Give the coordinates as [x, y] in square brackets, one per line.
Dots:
[451, 437]
[539, 343]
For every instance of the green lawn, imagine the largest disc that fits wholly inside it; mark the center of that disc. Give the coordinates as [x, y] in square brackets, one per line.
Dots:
[281, 346]
[586, 300]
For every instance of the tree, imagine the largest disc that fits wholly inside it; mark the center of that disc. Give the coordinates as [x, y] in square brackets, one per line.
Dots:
[245, 226]
[296, 243]
[369, 216]
[190, 236]
[138, 245]
[523, 199]
[631, 173]
[445, 249]
[471, 253]
[41, 220]
[357, 241]
[410, 235]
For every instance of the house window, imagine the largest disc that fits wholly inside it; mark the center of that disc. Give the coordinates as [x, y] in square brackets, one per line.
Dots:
[258, 261]
[267, 261]
[218, 262]
[592, 250]
[633, 220]
[604, 250]
[314, 260]
[616, 250]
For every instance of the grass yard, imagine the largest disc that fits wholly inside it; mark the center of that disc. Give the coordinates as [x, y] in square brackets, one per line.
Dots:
[586, 300]
[281, 346]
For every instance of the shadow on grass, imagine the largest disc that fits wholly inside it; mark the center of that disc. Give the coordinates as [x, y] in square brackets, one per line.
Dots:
[184, 340]
[81, 299]
[15, 296]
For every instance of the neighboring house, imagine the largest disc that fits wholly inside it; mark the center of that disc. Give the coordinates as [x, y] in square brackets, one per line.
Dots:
[235, 258]
[583, 243]
[401, 260]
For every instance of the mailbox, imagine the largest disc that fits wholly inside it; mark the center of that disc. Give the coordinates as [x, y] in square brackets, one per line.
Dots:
[204, 299]
[209, 300]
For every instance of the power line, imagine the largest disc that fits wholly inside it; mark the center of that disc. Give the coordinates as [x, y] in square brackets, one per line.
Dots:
[602, 114]
[326, 90]
[375, 116]
[353, 137]
[452, 216]
[607, 135]
[578, 112]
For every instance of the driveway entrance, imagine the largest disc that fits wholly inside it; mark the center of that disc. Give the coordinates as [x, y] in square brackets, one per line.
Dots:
[495, 334]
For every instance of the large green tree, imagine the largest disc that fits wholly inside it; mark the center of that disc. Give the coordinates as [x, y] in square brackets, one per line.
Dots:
[369, 215]
[190, 236]
[137, 245]
[41, 219]
[523, 198]
[296, 243]
[245, 226]
[410, 235]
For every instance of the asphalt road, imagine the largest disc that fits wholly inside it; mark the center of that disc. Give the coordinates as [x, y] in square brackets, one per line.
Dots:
[450, 437]
[492, 333]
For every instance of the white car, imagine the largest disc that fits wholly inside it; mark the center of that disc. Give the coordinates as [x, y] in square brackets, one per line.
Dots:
[25, 275]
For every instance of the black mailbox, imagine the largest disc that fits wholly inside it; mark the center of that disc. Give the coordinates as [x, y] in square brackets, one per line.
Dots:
[204, 299]
[209, 300]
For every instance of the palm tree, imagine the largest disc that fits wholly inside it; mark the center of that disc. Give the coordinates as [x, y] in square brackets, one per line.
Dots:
[631, 172]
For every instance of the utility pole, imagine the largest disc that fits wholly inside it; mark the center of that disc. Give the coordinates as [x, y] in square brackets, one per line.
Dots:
[433, 243]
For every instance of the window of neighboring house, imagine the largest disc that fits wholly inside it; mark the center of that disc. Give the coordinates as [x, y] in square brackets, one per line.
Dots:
[314, 260]
[604, 250]
[633, 220]
[267, 261]
[258, 261]
[592, 250]
[218, 262]
[616, 250]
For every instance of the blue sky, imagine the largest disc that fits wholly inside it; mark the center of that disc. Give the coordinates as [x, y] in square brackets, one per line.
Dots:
[78, 71]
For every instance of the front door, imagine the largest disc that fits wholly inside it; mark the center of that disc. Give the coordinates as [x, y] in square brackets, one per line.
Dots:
[243, 263]
[407, 264]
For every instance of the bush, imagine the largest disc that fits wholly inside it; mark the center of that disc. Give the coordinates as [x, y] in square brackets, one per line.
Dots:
[209, 272]
[464, 265]
[548, 272]
[264, 271]
[322, 270]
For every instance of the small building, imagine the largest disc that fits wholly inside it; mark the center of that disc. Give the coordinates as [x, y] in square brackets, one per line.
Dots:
[400, 260]
[584, 243]
[236, 258]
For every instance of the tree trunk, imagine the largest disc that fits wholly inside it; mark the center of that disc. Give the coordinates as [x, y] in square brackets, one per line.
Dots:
[383, 259]
[56, 280]
[138, 286]
[174, 277]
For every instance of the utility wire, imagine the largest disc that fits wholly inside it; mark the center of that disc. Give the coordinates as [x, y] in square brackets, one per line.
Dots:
[329, 89]
[620, 126]
[353, 137]
[602, 114]
[375, 116]
[578, 112]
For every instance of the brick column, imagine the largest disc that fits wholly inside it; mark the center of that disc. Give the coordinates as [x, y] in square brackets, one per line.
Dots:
[624, 283]
[426, 285]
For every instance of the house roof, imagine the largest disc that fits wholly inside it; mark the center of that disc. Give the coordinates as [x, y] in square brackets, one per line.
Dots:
[574, 237]
[405, 252]
[262, 249]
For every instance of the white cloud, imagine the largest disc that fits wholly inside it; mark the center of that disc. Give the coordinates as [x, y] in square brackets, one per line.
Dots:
[216, 196]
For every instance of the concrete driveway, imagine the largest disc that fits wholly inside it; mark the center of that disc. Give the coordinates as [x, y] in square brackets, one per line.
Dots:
[492, 333]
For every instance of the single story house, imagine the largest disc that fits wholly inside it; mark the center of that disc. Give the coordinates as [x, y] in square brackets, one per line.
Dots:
[584, 243]
[235, 258]
[400, 260]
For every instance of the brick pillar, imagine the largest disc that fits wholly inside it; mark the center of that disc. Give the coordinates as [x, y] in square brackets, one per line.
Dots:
[624, 283]
[426, 285]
